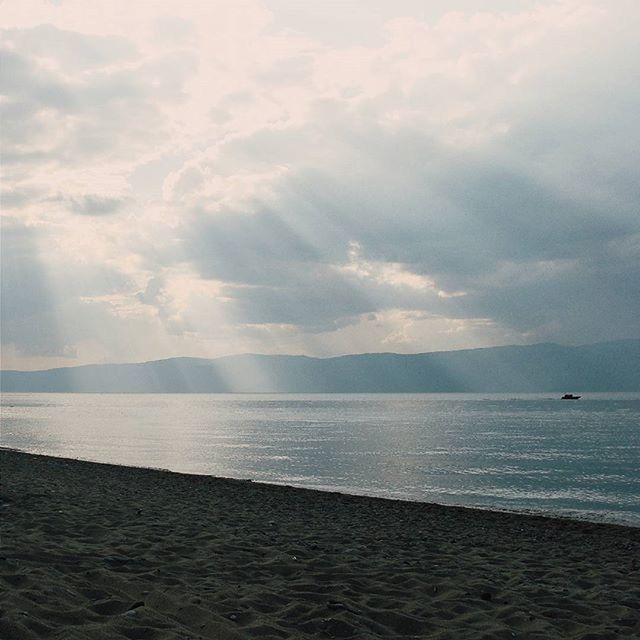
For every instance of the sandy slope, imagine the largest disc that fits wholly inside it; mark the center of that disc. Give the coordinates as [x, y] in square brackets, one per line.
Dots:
[98, 551]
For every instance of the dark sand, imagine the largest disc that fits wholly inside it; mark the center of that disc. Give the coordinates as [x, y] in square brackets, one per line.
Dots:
[99, 551]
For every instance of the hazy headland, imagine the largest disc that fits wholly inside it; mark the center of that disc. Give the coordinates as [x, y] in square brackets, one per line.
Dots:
[610, 366]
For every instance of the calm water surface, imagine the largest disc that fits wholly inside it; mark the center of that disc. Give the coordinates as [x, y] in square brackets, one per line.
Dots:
[531, 452]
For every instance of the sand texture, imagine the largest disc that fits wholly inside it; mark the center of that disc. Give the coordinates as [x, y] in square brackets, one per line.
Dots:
[99, 551]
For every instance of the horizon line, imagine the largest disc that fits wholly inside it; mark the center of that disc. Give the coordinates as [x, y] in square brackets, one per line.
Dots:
[301, 355]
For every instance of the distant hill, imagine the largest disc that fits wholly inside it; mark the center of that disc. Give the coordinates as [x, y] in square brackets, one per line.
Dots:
[609, 366]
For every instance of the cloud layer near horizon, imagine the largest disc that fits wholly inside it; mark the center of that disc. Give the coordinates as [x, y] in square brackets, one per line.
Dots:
[206, 178]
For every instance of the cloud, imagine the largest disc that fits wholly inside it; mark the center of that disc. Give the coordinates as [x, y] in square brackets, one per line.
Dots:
[209, 178]
[42, 292]
[61, 117]
[92, 205]
[69, 50]
[461, 221]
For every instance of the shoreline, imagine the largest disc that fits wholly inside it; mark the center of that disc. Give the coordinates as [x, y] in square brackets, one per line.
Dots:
[591, 517]
[106, 551]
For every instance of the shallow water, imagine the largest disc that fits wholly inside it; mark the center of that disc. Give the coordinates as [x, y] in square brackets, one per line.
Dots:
[528, 452]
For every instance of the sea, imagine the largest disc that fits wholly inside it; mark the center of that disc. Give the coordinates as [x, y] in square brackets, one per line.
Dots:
[530, 452]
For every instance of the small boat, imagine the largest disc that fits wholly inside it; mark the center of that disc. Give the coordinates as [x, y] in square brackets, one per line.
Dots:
[570, 396]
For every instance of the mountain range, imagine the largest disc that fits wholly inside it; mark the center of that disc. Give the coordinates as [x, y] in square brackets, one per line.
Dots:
[609, 366]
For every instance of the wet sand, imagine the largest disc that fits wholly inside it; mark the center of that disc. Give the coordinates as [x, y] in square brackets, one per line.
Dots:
[100, 551]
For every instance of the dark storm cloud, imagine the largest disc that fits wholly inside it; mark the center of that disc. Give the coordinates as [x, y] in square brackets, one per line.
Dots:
[322, 302]
[463, 219]
[247, 249]
[593, 300]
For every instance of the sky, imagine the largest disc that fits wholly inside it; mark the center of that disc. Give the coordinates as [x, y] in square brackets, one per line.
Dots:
[206, 178]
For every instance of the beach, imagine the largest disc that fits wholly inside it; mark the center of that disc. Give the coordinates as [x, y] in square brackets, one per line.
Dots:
[101, 551]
